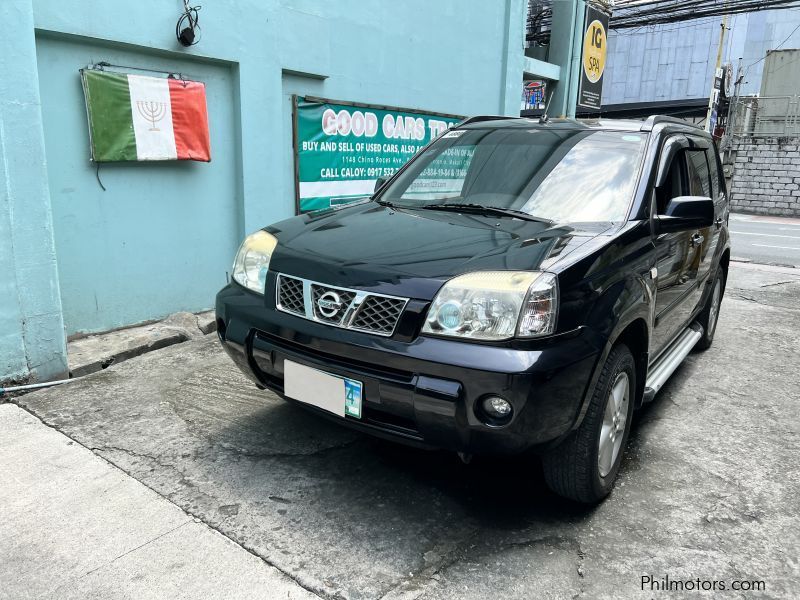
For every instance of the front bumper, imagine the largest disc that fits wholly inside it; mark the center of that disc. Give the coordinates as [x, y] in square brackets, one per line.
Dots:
[424, 391]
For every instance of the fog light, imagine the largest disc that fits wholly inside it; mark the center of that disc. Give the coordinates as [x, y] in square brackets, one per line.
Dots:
[449, 315]
[496, 407]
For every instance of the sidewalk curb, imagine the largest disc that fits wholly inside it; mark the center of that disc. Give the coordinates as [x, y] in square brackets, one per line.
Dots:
[754, 266]
[96, 352]
[117, 357]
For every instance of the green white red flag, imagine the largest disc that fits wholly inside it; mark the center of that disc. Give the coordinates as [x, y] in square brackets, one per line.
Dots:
[135, 117]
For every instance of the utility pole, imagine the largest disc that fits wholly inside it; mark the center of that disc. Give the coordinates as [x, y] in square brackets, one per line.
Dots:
[733, 110]
[713, 98]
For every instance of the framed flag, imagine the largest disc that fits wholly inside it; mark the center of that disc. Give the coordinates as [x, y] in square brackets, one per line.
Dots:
[144, 118]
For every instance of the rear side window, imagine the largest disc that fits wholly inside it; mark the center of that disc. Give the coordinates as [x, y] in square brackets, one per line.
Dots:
[699, 180]
[711, 156]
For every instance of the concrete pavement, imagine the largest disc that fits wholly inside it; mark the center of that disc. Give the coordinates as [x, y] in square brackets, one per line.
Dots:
[74, 526]
[708, 490]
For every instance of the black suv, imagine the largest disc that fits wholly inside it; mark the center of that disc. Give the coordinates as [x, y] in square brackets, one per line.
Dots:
[518, 285]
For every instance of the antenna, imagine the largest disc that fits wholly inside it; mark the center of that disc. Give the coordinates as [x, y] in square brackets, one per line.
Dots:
[543, 119]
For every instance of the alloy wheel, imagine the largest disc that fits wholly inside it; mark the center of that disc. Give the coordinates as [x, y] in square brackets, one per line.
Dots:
[713, 312]
[614, 421]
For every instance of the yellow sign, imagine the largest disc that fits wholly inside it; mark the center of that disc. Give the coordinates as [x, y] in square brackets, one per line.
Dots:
[594, 51]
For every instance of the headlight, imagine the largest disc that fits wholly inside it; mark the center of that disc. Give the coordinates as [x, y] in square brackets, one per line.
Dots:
[495, 305]
[252, 261]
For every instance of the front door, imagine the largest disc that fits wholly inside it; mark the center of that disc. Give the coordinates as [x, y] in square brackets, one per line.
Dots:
[678, 259]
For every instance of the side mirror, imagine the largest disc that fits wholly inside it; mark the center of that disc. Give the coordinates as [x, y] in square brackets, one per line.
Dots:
[685, 213]
[379, 183]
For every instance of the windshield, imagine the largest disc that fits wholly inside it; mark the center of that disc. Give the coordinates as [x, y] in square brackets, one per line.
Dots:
[563, 175]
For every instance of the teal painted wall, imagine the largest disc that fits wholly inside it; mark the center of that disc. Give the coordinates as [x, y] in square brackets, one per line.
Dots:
[32, 341]
[162, 236]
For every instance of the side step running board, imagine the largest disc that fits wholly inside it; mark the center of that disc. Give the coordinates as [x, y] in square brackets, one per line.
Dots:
[671, 359]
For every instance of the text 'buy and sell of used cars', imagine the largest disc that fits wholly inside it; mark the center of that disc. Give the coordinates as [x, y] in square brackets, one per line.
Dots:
[519, 285]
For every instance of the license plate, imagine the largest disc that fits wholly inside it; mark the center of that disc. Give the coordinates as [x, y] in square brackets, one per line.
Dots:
[339, 395]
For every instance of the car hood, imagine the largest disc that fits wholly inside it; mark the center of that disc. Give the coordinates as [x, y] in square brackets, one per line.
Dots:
[410, 253]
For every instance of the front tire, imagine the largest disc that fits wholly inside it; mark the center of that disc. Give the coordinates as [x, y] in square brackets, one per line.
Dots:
[585, 465]
[709, 317]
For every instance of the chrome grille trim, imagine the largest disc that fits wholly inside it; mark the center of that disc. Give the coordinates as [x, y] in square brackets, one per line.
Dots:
[378, 314]
[291, 296]
[375, 324]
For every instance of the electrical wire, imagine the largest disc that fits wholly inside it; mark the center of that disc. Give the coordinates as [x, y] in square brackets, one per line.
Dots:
[778, 47]
[35, 386]
[663, 28]
[189, 15]
[539, 23]
[633, 13]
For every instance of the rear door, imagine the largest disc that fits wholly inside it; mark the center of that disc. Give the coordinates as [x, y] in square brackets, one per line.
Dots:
[720, 197]
[703, 184]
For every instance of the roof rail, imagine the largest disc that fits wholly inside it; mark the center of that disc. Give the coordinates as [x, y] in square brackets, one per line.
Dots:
[479, 118]
[654, 120]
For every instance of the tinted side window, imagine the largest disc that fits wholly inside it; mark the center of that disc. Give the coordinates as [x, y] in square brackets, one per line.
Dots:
[674, 184]
[715, 173]
[699, 182]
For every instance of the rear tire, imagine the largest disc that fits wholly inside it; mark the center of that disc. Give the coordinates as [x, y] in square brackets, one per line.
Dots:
[709, 317]
[585, 465]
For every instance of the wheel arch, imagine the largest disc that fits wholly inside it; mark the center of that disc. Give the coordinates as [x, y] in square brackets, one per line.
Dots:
[724, 262]
[636, 336]
[632, 327]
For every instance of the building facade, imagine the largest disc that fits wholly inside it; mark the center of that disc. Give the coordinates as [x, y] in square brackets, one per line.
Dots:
[670, 68]
[84, 249]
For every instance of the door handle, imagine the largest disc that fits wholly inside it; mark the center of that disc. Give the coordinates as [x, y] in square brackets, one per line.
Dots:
[718, 222]
[697, 239]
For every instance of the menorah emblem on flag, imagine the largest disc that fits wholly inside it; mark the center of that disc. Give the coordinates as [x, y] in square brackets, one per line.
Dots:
[152, 111]
[137, 117]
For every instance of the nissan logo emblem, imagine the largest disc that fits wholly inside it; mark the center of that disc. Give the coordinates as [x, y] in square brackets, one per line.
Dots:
[329, 304]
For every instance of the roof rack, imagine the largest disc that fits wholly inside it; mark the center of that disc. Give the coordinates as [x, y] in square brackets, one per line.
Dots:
[654, 120]
[480, 118]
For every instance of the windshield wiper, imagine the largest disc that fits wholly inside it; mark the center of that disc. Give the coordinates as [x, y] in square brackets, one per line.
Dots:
[486, 210]
[391, 204]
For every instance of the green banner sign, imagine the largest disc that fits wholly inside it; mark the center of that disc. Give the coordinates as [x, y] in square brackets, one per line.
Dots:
[343, 148]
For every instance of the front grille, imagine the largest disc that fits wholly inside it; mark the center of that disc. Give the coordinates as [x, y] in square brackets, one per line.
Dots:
[379, 314]
[345, 299]
[341, 307]
[290, 295]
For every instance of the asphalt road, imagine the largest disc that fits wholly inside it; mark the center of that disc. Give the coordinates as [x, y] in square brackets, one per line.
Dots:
[767, 240]
[708, 488]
